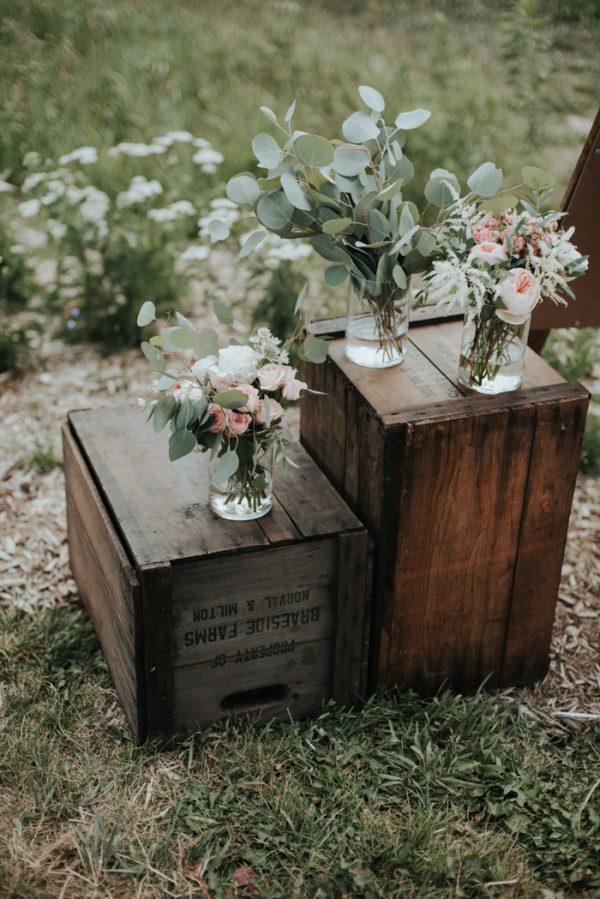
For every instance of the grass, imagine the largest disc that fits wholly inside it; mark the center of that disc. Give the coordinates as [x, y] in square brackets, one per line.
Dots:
[454, 797]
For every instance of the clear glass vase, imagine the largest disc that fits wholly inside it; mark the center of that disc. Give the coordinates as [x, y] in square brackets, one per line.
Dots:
[492, 354]
[377, 327]
[248, 493]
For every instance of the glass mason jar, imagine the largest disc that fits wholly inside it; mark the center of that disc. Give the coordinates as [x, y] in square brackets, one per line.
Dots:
[377, 327]
[248, 493]
[492, 354]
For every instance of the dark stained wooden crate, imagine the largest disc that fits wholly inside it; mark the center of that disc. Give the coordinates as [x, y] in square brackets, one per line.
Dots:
[467, 499]
[199, 618]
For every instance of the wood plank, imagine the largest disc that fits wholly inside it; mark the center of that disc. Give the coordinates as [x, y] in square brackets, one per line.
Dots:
[226, 607]
[413, 384]
[157, 617]
[463, 489]
[107, 583]
[100, 605]
[441, 344]
[353, 602]
[159, 507]
[293, 683]
[556, 450]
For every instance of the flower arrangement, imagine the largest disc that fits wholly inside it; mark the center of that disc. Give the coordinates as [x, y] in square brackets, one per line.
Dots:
[227, 401]
[344, 197]
[497, 260]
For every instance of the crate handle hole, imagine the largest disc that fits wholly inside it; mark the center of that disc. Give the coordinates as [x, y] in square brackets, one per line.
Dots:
[259, 696]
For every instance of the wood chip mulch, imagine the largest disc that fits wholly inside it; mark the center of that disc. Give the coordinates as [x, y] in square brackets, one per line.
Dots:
[34, 559]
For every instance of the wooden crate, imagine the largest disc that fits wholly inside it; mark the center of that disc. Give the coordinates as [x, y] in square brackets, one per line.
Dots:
[198, 617]
[467, 499]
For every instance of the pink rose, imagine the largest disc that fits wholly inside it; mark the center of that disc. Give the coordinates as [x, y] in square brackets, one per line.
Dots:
[273, 376]
[489, 252]
[219, 418]
[519, 292]
[221, 385]
[292, 389]
[276, 412]
[237, 422]
[253, 399]
[481, 234]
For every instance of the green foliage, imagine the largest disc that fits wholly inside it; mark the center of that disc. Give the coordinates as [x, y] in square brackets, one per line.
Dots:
[402, 797]
[276, 306]
[16, 288]
[590, 454]
[573, 353]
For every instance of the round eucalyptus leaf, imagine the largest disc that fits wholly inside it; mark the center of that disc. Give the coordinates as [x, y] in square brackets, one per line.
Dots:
[228, 465]
[335, 225]
[252, 242]
[399, 276]
[163, 411]
[266, 110]
[146, 314]
[350, 161]
[486, 180]
[378, 224]
[274, 210]
[243, 189]
[312, 150]
[438, 193]
[154, 356]
[314, 349]
[426, 243]
[497, 205]
[222, 312]
[180, 444]
[359, 128]
[218, 230]
[294, 192]
[267, 150]
[537, 178]
[230, 399]
[371, 98]
[335, 274]
[413, 119]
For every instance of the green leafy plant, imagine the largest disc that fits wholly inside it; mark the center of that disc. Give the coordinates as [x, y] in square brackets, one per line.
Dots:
[17, 327]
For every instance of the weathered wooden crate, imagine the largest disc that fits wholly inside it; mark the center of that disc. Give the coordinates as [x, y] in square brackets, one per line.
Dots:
[198, 617]
[467, 499]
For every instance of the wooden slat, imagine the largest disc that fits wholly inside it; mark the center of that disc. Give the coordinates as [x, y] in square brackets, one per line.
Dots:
[410, 385]
[442, 346]
[107, 583]
[157, 617]
[463, 488]
[225, 607]
[555, 454]
[353, 615]
[303, 675]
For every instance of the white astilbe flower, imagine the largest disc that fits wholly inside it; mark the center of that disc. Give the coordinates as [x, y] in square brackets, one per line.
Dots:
[267, 346]
[550, 272]
[457, 281]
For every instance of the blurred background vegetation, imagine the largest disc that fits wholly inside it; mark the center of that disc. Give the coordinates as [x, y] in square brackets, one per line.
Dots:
[515, 82]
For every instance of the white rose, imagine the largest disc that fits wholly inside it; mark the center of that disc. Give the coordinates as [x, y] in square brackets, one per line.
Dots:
[519, 292]
[236, 364]
[187, 390]
[202, 366]
[489, 252]
[273, 376]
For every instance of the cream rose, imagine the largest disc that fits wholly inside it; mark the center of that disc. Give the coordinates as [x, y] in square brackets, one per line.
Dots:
[237, 422]
[293, 388]
[236, 365]
[274, 375]
[276, 412]
[219, 418]
[202, 366]
[519, 292]
[186, 390]
[489, 252]
[253, 398]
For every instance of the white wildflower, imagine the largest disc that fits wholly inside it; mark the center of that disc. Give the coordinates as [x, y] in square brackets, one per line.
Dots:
[6, 188]
[289, 250]
[201, 142]
[194, 254]
[208, 156]
[227, 216]
[139, 190]
[55, 229]
[136, 149]
[29, 208]
[55, 190]
[173, 137]
[33, 180]
[171, 213]
[95, 205]
[223, 203]
[31, 159]
[83, 155]
[267, 346]
[18, 249]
